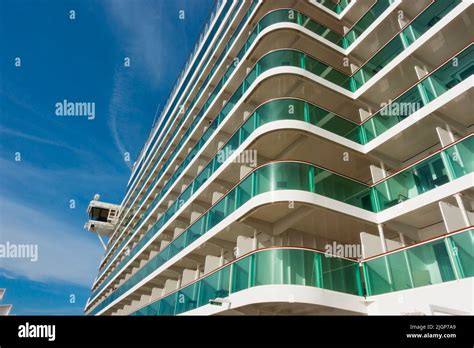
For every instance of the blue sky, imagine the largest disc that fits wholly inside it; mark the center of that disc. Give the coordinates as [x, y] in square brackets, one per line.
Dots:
[72, 158]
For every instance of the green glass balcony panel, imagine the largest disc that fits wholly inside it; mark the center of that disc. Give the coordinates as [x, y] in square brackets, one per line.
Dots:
[153, 309]
[342, 189]
[167, 305]
[421, 265]
[274, 267]
[325, 71]
[362, 24]
[193, 233]
[268, 270]
[429, 18]
[421, 262]
[241, 271]
[463, 252]
[186, 194]
[178, 244]
[293, 16]
[288, 57]
[187, 298]
[217, 213]
[230, 203]
[461, 157]
[200, 226]
[377, 62]
[340, 275]
[413, 182]
[319, 29]
[279, 58]
[336, 6]
[278, 16]
[245, 190]
[282, 176]
[393, 114]
[214, 286]
[246, 129]
[300, 110]
[265, 267]
[387, 274]
[281, 109]
[203, 176]
[333, 123]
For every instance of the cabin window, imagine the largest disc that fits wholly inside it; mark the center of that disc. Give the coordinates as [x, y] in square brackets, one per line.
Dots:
[99, 214]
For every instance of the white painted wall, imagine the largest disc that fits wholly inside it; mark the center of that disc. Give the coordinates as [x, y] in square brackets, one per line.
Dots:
[452, 298]
[455, 297]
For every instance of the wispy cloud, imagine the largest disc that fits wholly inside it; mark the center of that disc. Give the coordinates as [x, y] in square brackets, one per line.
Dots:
[20, 102]
[118, 107]
[63, 255]
[138, 27]
[41, 140]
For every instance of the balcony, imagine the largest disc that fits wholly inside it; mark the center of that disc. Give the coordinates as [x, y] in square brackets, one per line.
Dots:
[428, 89]
[444, 259]
[290, 266]
[433, 262]
[442, 167]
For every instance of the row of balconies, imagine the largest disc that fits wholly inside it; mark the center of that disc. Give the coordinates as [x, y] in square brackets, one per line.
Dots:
[431, 87]
[440, 168]
[390, 119]
[446, 258]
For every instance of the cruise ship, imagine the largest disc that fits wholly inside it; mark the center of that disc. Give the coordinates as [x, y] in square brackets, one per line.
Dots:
[314, 158]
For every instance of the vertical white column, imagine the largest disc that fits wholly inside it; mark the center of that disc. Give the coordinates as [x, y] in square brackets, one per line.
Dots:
[384, 249]
[461, 206]
[383, 242]
[402, 239]
[221, 261]
[254, 246]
